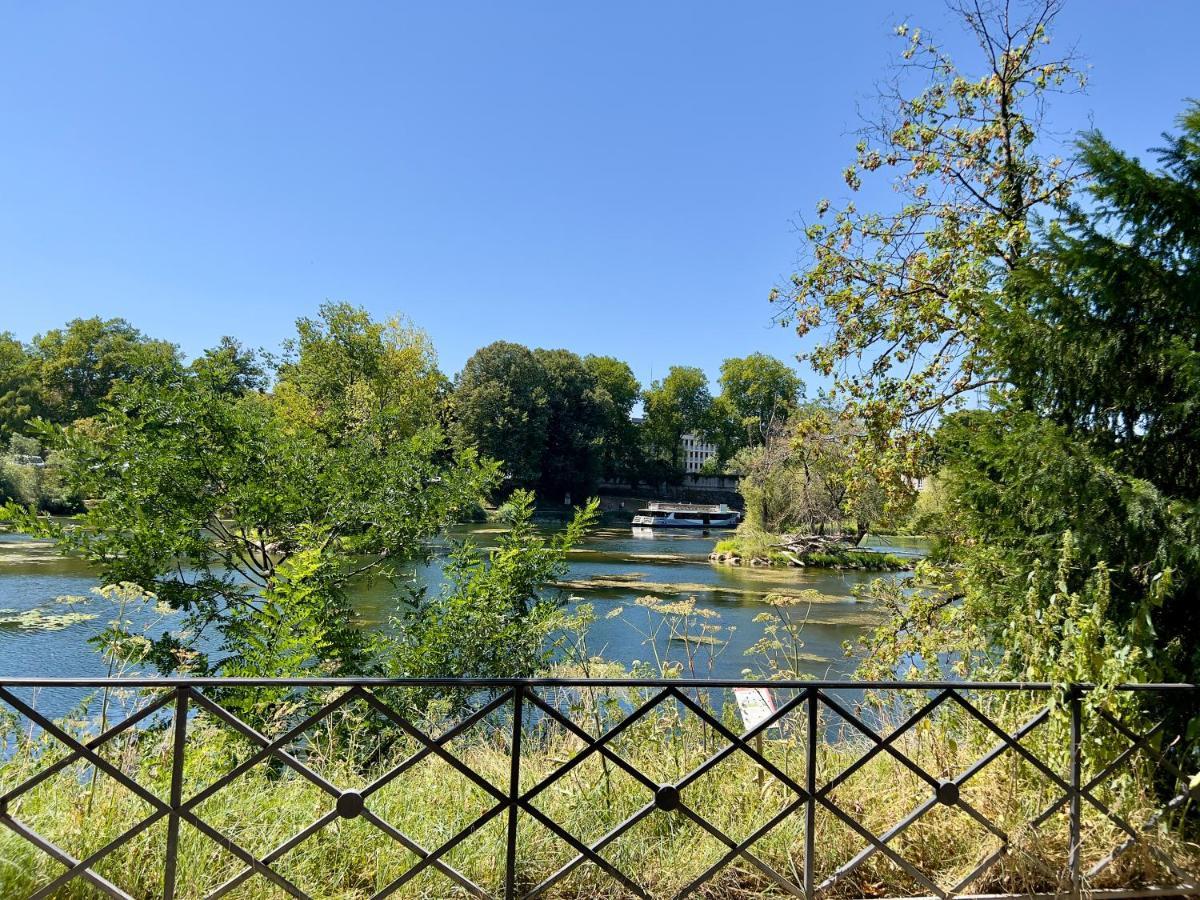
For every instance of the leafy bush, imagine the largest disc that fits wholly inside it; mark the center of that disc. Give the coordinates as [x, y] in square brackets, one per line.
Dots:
[345, 459]
[19, 482]
[495, 610]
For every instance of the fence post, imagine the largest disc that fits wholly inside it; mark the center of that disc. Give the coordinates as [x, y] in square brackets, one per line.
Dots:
[514, 791]
[1075, 700]
[177, 753]
[810, 785]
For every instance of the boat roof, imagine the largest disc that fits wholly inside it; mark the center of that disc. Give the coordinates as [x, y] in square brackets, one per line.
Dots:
[660, 506]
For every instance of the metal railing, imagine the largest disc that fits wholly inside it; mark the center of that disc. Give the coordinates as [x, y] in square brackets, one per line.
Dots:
[812, 740]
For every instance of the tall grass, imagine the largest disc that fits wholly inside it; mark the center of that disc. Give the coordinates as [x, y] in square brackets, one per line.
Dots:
[432, 801]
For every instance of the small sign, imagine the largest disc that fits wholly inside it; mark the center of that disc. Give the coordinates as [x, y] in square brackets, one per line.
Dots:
[755, 704]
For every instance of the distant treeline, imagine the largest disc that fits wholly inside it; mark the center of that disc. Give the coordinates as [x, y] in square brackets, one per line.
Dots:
[560, 422]
[63, 376]
[557, 422]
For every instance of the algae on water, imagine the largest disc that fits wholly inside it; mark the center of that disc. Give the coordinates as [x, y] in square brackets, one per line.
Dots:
[40, 620]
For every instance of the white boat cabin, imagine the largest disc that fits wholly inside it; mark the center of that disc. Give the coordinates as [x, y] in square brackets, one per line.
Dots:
[686, 515]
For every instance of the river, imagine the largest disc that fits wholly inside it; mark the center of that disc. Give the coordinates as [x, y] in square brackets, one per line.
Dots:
[612, 568]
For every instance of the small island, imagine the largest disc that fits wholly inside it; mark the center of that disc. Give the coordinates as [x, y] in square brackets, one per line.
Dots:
[757, 549]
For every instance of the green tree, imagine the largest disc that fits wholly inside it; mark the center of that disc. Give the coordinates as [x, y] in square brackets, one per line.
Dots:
[250, 513]
[725, 428]
[677, 404]
[20, 387]
[33, 477]
[899, 296]
[618, 391]
[343, 369]
[501, 407]
[770, 483]
[79, 364]
[496, 611]
[1103, 336]
[760, 390]
[800, 478]
[616, 379]
[575, 425]
[241, 368]
[557, 422]
[836, 493]
[1102, 343]
[1075, 527]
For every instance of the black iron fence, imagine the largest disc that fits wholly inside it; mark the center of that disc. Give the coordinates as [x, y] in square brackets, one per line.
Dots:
[611, 787]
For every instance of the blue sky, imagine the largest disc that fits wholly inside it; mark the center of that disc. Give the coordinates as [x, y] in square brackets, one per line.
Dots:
[613, 177]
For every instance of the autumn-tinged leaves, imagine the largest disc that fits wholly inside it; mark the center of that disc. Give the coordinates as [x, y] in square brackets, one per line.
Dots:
[897, 296]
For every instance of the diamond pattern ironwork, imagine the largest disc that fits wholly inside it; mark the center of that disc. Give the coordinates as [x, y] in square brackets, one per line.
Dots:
[519, 700]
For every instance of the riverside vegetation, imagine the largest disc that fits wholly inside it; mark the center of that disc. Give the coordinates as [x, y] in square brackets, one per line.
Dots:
[755, 548]
[1054, 291]
[430, 802]
[264, 807]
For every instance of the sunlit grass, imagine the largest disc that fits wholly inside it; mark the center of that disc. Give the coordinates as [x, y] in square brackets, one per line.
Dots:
[432, 801]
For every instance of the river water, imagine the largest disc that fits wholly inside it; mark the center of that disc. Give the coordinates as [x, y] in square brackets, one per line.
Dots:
[610, 570]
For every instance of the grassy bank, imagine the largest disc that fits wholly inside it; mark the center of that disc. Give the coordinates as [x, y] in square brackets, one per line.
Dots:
[430, 802]
[750, 548]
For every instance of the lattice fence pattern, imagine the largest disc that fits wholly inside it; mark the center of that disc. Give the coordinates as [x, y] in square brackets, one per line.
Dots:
[567, 776]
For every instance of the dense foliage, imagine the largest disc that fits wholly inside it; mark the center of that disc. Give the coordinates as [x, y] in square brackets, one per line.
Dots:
[899, 297]
[1019, 333]
[557, 422]
[618, 391]
[675, 405]
[1070, 510]
[33, 477]
[1103, 348]
[561, 424]
[501, 408]
[245, 494]
[250, 512]
[758, 393]
[67, 373]
[491, 615]
[799, 477]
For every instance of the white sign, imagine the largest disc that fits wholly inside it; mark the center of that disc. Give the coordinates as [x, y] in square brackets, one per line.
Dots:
[755, 704]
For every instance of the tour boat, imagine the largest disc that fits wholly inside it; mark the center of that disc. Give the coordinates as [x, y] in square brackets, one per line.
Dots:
[686, 515]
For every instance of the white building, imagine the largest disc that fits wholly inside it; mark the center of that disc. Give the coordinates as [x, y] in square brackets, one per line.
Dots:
[696, 451]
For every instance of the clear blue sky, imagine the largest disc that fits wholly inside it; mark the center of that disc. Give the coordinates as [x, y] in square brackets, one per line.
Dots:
[610, 177]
